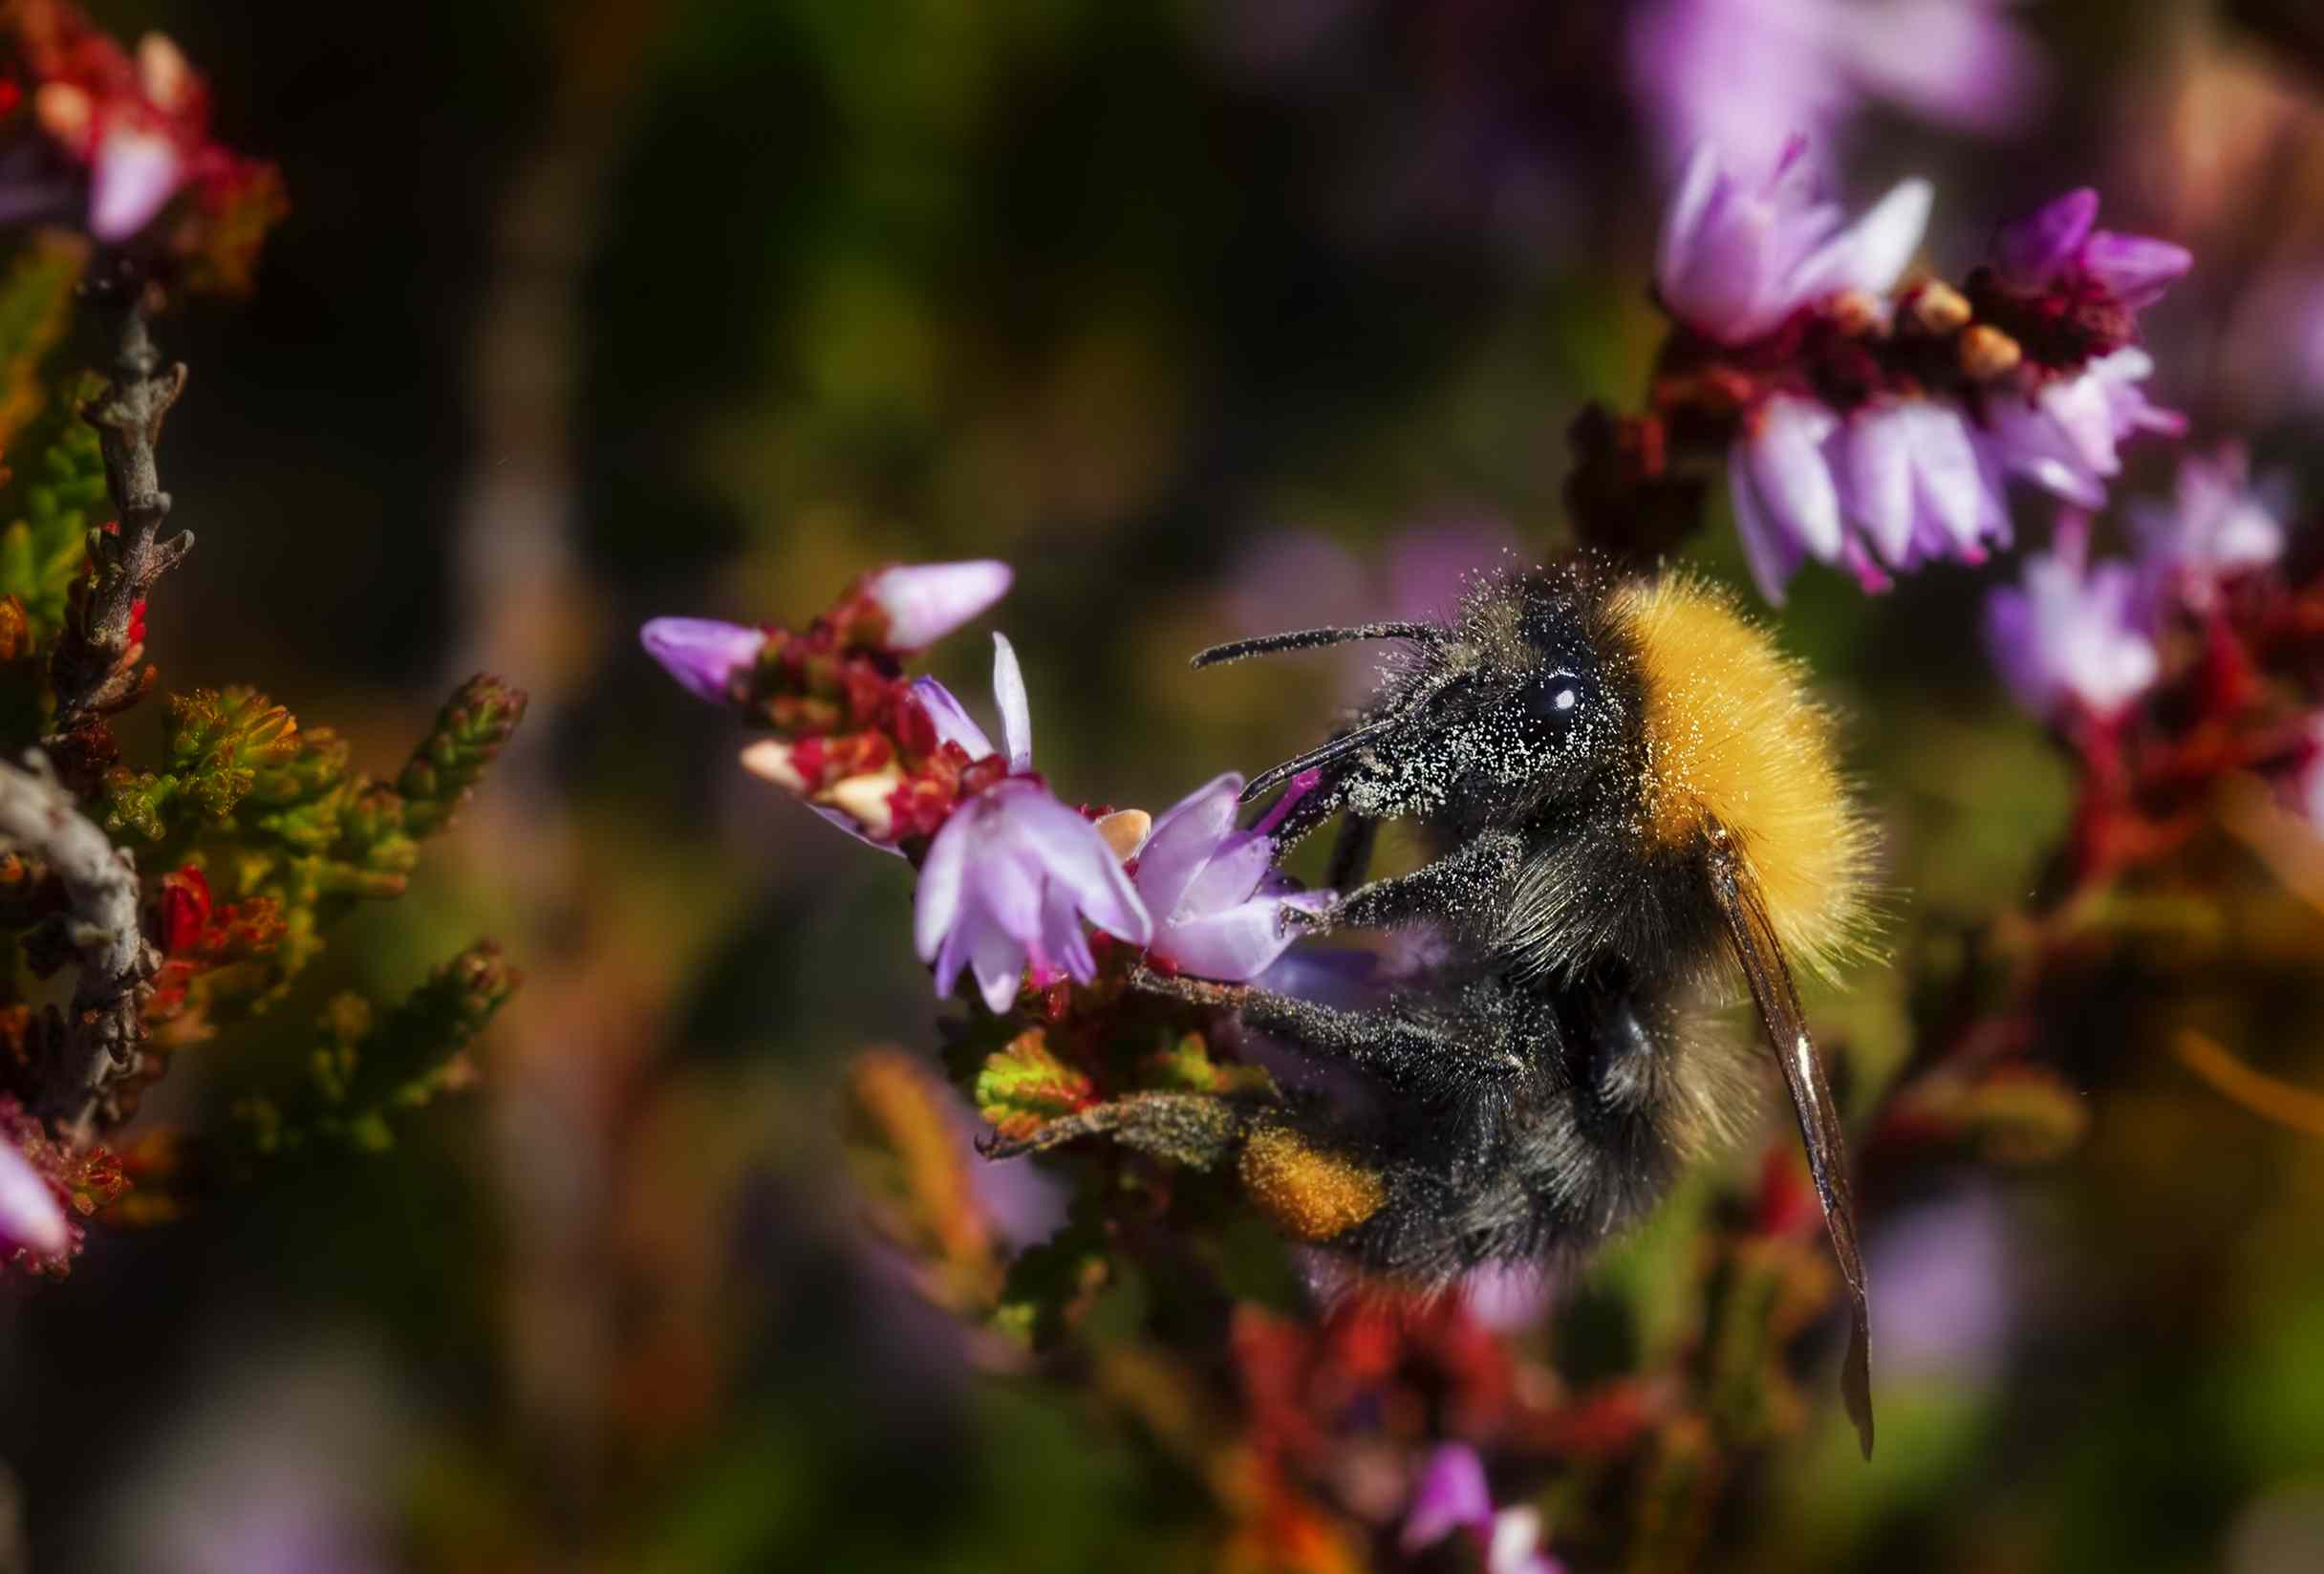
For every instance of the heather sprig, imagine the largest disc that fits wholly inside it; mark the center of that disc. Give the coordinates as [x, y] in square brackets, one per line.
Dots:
[1863, 417]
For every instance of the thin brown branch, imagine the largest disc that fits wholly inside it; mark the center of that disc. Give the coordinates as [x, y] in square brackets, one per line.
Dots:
[100, 928]
[96, 670]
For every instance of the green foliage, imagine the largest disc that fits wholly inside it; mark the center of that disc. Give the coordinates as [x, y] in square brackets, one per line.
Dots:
[1025, 1087]
[277, 813]
[42, 551]
[369, 1070]
[36, 306]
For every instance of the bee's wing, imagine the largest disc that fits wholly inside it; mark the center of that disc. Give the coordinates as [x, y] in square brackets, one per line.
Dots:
[1761, 955]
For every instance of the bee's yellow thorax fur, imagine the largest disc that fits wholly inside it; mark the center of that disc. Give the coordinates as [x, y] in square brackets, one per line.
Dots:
[1734, 737]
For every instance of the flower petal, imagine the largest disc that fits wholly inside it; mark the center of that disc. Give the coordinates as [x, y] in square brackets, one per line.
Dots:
[1773, 557]
[1071, 851]
[1016, 715]
[1794, 479]
[1064, 943]
[1235, 944]
[1871, 253]
[2136, 268]
[133, 174]
[1183, 839]
[926, 601]
[2036, 246]
[1947, 484]
[702, 653]
[1876, 467]
[1451, 1494]
[1234, 871]
[951, 718]
[29, 1215]
[997, 958]
[936, 901]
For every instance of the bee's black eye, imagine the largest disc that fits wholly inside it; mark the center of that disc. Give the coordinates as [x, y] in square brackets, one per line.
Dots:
[1555, 697]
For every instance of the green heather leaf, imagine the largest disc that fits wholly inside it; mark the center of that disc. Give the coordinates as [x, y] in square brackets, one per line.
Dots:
[1025, 1087]
[45, 550]
[371, 1069]
[449, 762]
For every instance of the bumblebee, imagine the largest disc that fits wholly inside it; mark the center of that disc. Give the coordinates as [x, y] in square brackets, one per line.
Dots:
[1631, 798]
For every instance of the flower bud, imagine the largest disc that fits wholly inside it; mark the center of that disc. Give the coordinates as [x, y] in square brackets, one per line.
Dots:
[926, 601]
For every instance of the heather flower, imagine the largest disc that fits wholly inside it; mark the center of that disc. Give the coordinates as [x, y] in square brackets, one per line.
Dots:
[926, 601]
[1748, 74]
[1912, 476]
[1218, 903]
[1941, 1289]
[702, 653]
[2215, 527]
[2070, 634]
[1453, 1497]
[2063, 435]
[1012, 871]
[2056, 244]
[31, 1221]
[1738, 256]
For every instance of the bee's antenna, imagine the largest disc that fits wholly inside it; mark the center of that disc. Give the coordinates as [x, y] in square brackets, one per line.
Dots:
[1307, 640]
[1322, 754]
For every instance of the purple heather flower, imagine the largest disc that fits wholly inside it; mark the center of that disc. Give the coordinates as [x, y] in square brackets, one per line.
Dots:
[1216, 900]
[2063, 437]
[926, 601]
[1011, 874]
[29, 1217]
[1942, 1293]
[1912, 477]
[2216, 526]
[1751, 74]
[134, 172]
[2057, 240]
[702, 653]
[1739, 255]
[2070, 634]
[1453, 1496]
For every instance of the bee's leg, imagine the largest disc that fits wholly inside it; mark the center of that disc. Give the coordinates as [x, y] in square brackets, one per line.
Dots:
[1351, 853]
[1197, 1129]
[1428, 1058]
[1461, 881]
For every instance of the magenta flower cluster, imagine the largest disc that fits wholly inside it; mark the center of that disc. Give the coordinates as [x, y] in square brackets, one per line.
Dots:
[1014, 879]
[1907, 475]
[2074, 636]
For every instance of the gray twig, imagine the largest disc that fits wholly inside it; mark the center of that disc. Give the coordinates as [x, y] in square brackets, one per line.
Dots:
[95, 670]
[100, 928]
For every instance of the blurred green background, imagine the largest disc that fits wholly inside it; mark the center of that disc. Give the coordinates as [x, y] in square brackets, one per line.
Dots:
[1209, 317]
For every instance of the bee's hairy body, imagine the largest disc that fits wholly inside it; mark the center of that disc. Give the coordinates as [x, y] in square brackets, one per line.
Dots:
[1630, 797]
[1566, 1077]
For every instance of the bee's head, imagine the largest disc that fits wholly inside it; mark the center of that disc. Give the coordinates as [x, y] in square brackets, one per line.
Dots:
[1520, 703]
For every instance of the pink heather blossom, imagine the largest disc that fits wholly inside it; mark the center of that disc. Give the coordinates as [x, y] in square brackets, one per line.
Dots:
[134, 172]
[2057, 240]
[1913, 478]
[1453, 1496]
[1012, 873]
[2064, 435]
[1901, 482]
[1749, 75]
[926, 601]
[702, 653]
[1216, 900]
[1942, 1290]
[30, 1219]
[1739, 255]
[2216, 526]
[2070, 634]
